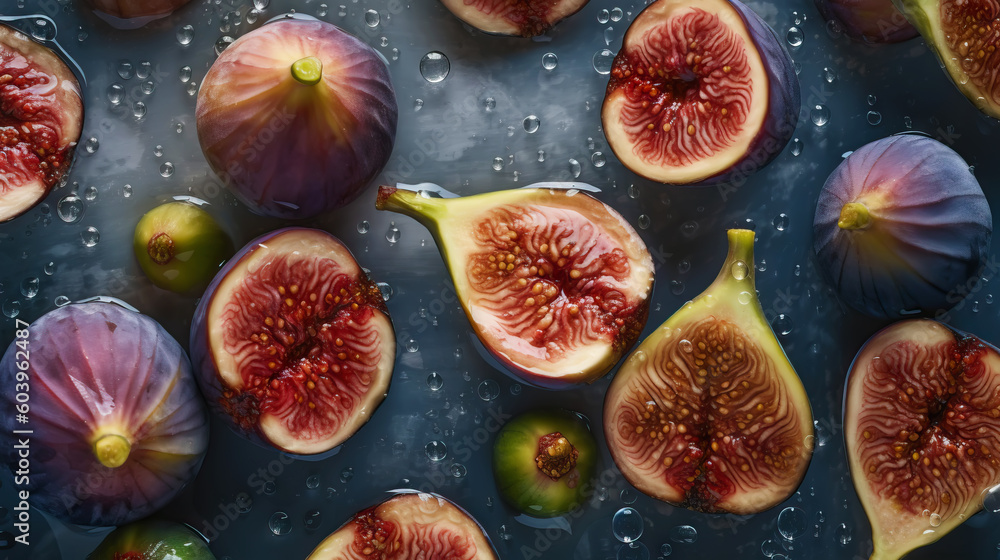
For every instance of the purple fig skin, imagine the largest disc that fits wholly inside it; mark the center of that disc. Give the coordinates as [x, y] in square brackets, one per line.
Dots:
[93, 369]
[869, 21]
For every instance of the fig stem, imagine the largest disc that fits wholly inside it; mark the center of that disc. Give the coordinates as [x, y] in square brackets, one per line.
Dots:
[854, 215]
[308, 71]
[739, 266]
[112, 450]
[426, 210]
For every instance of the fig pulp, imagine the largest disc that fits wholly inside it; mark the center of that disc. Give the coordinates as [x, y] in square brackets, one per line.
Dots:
[292, 342]
[409, 525]
[707, 413]
[555, 283]
[524, 18]
[965, 36]
[871, 21]
[901, 227]
[701, 92]
[152, 539]
[297, 117]
[922, 427]
[41, 116]
[117, 424]
[543, 461]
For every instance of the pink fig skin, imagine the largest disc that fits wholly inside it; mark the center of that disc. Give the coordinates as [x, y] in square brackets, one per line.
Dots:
[870, 21]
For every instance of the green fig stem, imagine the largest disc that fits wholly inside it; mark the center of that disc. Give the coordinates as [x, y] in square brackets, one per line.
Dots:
[426, 210]
[739, 268]
[160, 248]
[112, 450]
[308, 71]
[854, 215]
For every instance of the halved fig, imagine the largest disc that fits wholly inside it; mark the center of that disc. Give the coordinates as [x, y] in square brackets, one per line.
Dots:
[901, 227]
[408, 525]
[922, 427]
[871, 21]
[524, 18]
[555, 283]
[128, 9]
[708, 413]
[965, 35]
[702, 91]
[41, 116]
[292, 342]
[152, 539]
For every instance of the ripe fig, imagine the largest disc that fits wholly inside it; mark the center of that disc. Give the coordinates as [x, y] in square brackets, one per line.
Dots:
[40, 121]
[922, 428]
[408, 525]
[129, 9]
[297, 117]
[870, 21]
[963, 33]
[152, 539]
[542, 461]
[117, 426]
[292, 342]
[901, 226]
[708, 413]
[555, 283]
[702, 91]
[180, 247]
[524, 18]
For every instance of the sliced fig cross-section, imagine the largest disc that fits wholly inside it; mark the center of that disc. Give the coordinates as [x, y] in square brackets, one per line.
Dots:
[701, 92]
[922, 426]
[293, 343]
[707, 413]
[555, 283]
[524, 18]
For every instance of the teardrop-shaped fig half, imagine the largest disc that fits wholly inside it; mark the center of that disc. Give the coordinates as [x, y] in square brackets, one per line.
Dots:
[922, 428]
[708, 413]
[702, 91]
[524, 18]
[555, 283]
[870, 21]
[408, 525]
[292, 342]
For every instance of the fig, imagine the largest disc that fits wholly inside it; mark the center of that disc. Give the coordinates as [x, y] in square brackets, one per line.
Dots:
[901, 226]
[297, 117]
[292, 343]
[555, 283]
[152, 539]
[708, 413]
[922, 429]
[408, 525]
[106, 408]
[180, 247]
[523, 18]
[870, 21]
[41, 116]
[543, 460]
[702, 91]
[129, 9]
[963, 34]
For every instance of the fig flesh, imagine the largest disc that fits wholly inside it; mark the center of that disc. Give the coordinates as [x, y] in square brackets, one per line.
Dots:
[555, 283]
[524, 18]
[708, 413]
[292, 343]
[297, 117]
[901, 226]
[114, 407]
[702, 91]
[152, 539]
[922, 427]
[408, 525]
[41, 116]
[543, 461]
[870, 21]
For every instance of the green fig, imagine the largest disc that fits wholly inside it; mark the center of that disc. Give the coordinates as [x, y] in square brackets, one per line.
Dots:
[708, 413]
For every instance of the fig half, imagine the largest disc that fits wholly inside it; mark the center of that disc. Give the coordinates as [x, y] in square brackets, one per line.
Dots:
[702, 91]
[708, 413]
[408, 525]
[524, 18]
[870, 21]
[555, 283]
[922, 427]
[152, 539]
[292, 342]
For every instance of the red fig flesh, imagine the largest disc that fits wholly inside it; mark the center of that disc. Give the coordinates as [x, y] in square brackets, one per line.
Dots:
[525, 18]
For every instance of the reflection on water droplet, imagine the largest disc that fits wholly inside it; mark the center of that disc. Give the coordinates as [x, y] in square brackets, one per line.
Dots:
[872, 99]
[819, 115]
[385, 289]
[70, 208]
[627, 525]
[312, 482]
[609, 35]
[531, 124]
[458, 470]
[686, 346]
[575, 168]
[744, 297]
[167, 169]
[797, 146]
[61, 301]
[125, 69]
[603, 17]
[418, 104]
[185, 74]
[644, 221]
[29, 287]
[792, 523]
[795, 37]
[434, 67]
[874, 118]
[489, 390]
[185, 34]
[684, 534]
[116, 94]
[782, 324]
[435, 381]
[497, 163]
[222, 43]
[830, 75]
[550, 61]
[633, 551]
[598, 159]
[372, 18]
[138, 109]
[363, 227]
[603, 60]
[676, 287]
[633, 191]
[270, 487]
[780, 222]
[346, 475]
[11, 308]
[935, 520]
[49, 269]
[843, 534]
[91, 145]
[90, 236]
[312, 520]
[412, 346]
[279, 523]
[261, 4]
[740, 270]
[392, 234]
[436, 450]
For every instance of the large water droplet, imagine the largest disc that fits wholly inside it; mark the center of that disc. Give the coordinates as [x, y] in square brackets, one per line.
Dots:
[61, 301]
[644, 221]
[458, 470]
[783, 324]
[684, 534]
[780, 222]
[797, 146]
[598, 159]
[435, 381]
[90, 236]
[261, 4]
[138, 110]
[363, 227]
[279, 523]
[434, 67]
[222, 43]
[792, 523]
[819, 115]
[874, 118]
[185, 74]
[392, 234]
[166, 169]
[740, 270]
[603, 17]
[935, 520]
[489, 390]
[436, 450]
[795, 37]
[372, 18]
[11, 308]
[185, 34]
[125, 69]
[91, 145]
[603, 60]
[830, 75]
[575, 169]
[531, 124]
[29, 287]
[627, 525]
[90, 193]
[70, 208]
[550, 61]
[116, 93]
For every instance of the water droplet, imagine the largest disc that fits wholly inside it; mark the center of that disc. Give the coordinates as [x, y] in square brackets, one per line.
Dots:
[70, 208]
[769, 548]
[498, 163]
[61, 301]
[90, 236]
[676, 287]
[125, 69]
[504, 533]
[627, 525]
[418, 104]
[598, 159]
[185, 35]
[147, 87]
[908, 122]
[116, 94]
[843, 534]
[191, 88]
[435, 381]
[270, 487]
[531, 124]
[575, 168]
[830, 75]
[458, 470]
[363, 227]
[686, 346]
[633, 191]
[29, 287]
[740, 270]
[541, 156]
[603, 61]
[279, 523]
[346, 475]
[412, 346]
[372, 18]
[434, 67]
[312, 520]
[392, 234]
[550, 61]
[261, 4]
[744, 297]
[436, 450]
[515, 389]
[644, 221]
[49, 269]
[782, 324]
[138, 109]
[222, 43]
[91, 145]
[780, 222]
[935, 520]
[42, 30]
[489, 390]
[819, 115]
[795, 37]
[11, 308]
[797, 146]
[312, 482]
[633, 551]
[252, 16]
[874, 118]
[603, 17]
[616, 14]
[166, 169]
[792, 523]
[489, 104]
[872, 100]
[144, 69]
[185, 74]
[684, 534]
[666, 549]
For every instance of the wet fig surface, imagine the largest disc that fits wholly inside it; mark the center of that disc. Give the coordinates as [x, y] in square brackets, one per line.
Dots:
[118, 426]
[524, 18]
[129, 9]
[870, 21]
[701, 92]
[408, 525]
[152, 539]
[708, 413]
[922, 427]
[902, 226]
[555, 283]
[292, 342]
